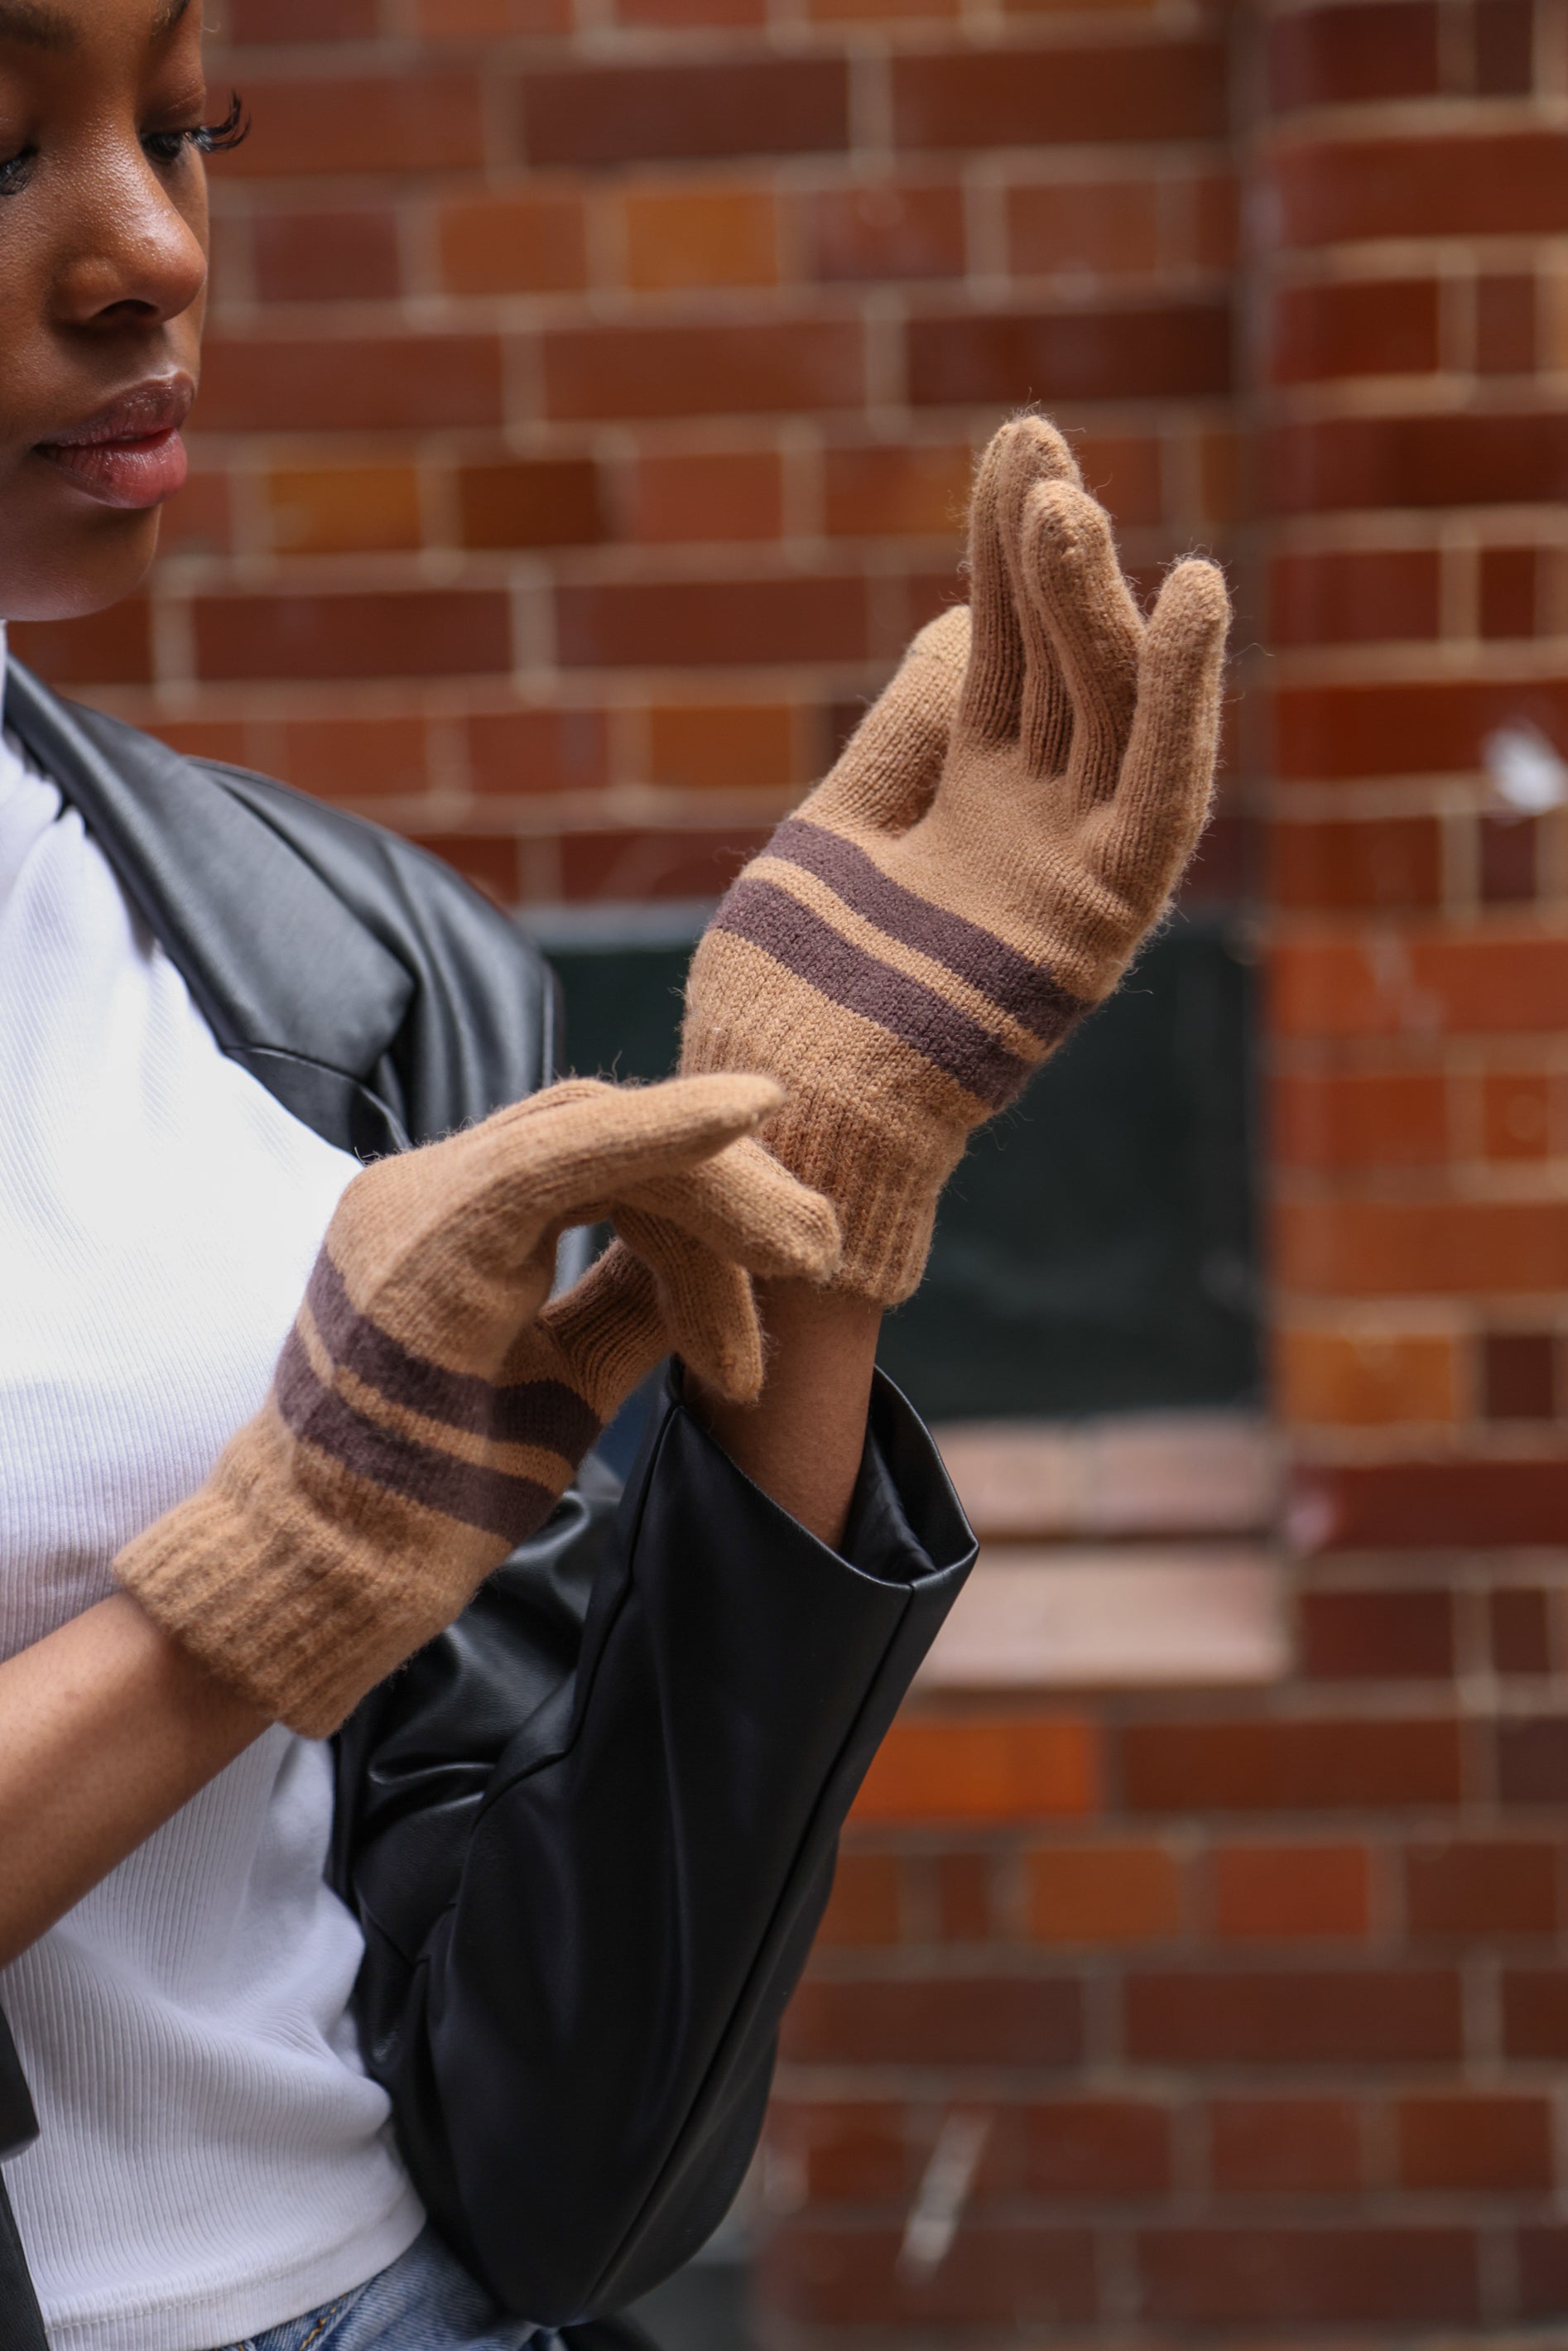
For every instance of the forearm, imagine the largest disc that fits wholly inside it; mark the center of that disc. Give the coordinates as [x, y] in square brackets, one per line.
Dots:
[803, 1439]
[107, 1727]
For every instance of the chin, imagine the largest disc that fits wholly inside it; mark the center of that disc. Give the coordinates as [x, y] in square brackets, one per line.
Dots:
[79, 565]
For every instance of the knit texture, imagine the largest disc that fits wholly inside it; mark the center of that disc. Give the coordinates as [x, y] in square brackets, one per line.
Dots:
[429, 1408]
[980, 866]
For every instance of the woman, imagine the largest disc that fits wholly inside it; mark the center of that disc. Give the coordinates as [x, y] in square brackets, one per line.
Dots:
[507, 1957]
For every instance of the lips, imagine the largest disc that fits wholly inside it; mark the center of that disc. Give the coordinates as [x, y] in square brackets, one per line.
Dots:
[130, 453]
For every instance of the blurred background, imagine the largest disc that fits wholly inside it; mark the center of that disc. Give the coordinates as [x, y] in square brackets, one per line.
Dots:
[591, 404]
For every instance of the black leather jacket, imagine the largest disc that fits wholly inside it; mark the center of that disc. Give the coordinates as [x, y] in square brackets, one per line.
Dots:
[590, 1829]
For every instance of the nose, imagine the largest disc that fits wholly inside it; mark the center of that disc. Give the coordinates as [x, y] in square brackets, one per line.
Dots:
[131, 258]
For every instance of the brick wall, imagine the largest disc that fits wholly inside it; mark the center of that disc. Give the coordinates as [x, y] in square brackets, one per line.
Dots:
[590, 402]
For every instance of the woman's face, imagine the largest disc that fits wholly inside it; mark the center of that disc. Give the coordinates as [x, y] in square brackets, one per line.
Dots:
[103, 268]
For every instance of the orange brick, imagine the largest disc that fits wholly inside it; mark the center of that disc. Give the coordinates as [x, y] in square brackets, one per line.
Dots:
[700, 236]
[726, 493]
[1331, 1378]
[893, 493]
[678, 13]
[1106, 227]
[867, 1902]
[1291, 1892]
[321, 510]
[534, 244]
[1123, 472]
[356, 759]
[1387, 1118]
[453, 20]
[1384, 985]
[1103, 1893]
[990, 1769]
[1516, 1109]
[734, 747]
[1391, 1248]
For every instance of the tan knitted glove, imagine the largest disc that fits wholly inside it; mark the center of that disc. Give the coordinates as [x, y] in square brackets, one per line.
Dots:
[429, 1407]
[915, 940]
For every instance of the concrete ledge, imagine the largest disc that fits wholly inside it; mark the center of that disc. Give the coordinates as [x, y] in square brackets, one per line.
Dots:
[1140, 1475]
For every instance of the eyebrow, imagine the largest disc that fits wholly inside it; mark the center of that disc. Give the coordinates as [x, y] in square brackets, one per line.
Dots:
[35, 27]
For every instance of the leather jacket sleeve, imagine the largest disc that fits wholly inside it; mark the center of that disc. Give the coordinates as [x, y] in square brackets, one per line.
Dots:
[583, 1931]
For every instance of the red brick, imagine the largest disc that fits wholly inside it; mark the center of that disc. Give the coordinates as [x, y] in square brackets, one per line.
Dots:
[724, 747]
[996, 1770]
[1354, 326]
[1391, 1118]
[1512, 183]
[1354, 596]
[1350, 56]
[1481, 1889]
[321, 256]
[1474, 2145]
[199, 521]
[537, 750]
[702, 371]
[1123, 472]
[1507, 849]
[1503, 33]
[1535, 2013]
[699, 235]
[716, 494]
[1473, 986]
[1103, 1893]
[705, 623]
[338, 510]
[962, 1889]
[356, 759]
[1174, 350]
[1519, 1374]
[1520, 1625]
[885, 229]
[1533, 1760]
[1495, 459]
[1296, 2277]
[853, 2152]
[430, 633]
[108, 648]
[531, 242]
[489, 861]
[307, 125]
[632, 862]
[1035, 97]
[302, 20]
[530, 502]
[1095, 2146]
[1336, 732]
[281, 384]
[1376, 1635]
[1287, 2016]
[1374, 1248]
[690, 12]
[896, 492]
[1274, 1892]
[1505, 326]
[451, 20]
[867, 1904]
[1109, 227]
[951, 2020]
[1382, 861]
[1284, 2146]
[1020, 2275]
[1289, 1766]
[1435, 1505]
[1356, 1378]
[1541, 2260]
[654, 113]
[1507, 590]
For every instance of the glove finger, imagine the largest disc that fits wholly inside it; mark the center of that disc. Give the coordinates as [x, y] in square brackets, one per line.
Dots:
[746, 1206]
[1068, 560]
[559, 1154]
[609, 1328]
[710, 1309]
[1168, 778]
[888, 770]
[1026, 452]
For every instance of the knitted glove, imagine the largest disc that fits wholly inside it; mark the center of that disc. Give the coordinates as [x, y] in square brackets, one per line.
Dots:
[980, 866]
[429, 1407]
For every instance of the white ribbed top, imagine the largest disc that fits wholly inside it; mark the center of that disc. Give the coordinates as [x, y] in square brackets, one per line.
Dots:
[213, 2160]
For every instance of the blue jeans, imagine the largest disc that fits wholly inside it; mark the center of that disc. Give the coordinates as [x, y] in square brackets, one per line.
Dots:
[425, 2301]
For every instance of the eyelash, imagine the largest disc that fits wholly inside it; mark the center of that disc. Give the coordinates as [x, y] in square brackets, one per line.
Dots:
[164, 147]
